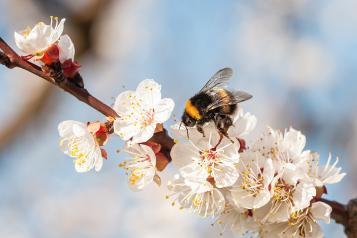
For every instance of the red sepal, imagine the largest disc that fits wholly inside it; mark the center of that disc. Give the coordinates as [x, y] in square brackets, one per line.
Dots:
[104, 153]
[154, 146]
[51, 55]
[70, 68]
[99, 131]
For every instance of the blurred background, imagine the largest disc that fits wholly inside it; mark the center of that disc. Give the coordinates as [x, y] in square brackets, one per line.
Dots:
[297, 57]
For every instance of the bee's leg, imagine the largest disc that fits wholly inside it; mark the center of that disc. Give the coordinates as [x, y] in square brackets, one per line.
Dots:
[219, 141]
[200, 129]
[223, 122]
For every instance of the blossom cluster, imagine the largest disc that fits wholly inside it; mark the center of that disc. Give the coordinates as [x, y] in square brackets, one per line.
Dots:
[139, 113]
[270, 187]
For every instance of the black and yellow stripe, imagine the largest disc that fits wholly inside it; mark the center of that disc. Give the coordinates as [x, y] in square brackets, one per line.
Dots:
[192, 110]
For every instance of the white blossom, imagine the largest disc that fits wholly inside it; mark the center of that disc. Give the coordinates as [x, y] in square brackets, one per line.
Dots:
[140, 168]
[140, 111]
[77, 142]
[35, 41]
[301, 224]
[208, 203]
[323, 175]
[283, 148]
[205, 160]
[255, 176]
[239, 220]
[286, 199]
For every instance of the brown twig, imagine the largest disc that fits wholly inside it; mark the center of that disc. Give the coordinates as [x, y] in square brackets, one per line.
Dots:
[342, 214]
[11, 59]
[345, 215]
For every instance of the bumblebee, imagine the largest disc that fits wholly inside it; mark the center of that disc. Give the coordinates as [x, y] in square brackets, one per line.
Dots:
[214, 103]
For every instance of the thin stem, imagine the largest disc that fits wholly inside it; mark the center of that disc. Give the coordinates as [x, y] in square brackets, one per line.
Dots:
[11, 59]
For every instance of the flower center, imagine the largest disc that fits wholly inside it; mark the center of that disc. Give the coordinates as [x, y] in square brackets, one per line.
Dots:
[147, 118]
[208, 155]
[75, 151]
[136, 168]
[283, 192]
[137, 114]
[253, 184]
[301, 221]
[208, 159]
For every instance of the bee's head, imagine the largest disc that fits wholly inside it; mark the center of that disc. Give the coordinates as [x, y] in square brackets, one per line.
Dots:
[188, 121]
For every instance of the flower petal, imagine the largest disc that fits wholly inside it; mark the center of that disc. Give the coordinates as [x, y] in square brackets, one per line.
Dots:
[303, 195]
[126, 130]
[148, 151]
[145, 134]
[321, 211]
[66, 48]
[22, 44]
[163, 110]
[225, 175]
[294, 141]
[98, 163]
[243, 124]
[125, 101]
[269, 171]
[244, 199]
[150, 92]
[57, 31]
[182, 154]
[70, 127]
[291, 174]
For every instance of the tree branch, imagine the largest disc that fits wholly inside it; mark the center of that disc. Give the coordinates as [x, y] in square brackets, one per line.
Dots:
[342, 214]
[11, 59]
[345, 215]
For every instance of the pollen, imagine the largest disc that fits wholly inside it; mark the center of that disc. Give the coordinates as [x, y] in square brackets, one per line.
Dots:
[26, 32]
[197, 201]
[80, 161]
[209, 155]
[76, 152]
[135, 176]
[251, 183]
[283, 192]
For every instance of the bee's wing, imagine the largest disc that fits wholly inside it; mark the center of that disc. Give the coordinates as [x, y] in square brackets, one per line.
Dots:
[218, 79]
[218, 101]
